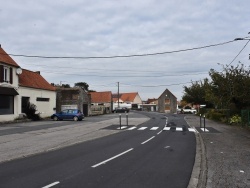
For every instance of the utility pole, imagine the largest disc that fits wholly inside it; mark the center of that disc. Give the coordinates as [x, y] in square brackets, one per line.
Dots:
[118, 96]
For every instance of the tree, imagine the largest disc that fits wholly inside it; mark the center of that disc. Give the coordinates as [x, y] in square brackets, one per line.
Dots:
[65, 85]
[82, 85]
[231, 86]
[195, 94]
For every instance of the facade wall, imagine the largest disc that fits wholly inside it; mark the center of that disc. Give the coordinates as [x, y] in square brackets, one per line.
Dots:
[14, 84]
[45, 108]
[167, 102]
[137, 100]
[73, 96]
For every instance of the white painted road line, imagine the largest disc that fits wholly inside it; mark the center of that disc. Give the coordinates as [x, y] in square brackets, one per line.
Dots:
[178, 129]
[159, 132]
[154, 128]
[123, 127]
[131, 128]
[204, 130]
[142, 128]
[166, 128]
[192, 130]
[148, 140]
[96, 165]
[51, 185]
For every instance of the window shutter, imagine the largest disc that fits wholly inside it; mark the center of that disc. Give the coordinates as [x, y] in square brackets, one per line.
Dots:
[11, 75]
[1, 73]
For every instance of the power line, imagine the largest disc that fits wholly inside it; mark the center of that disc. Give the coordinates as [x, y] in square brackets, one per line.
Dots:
[121, 56]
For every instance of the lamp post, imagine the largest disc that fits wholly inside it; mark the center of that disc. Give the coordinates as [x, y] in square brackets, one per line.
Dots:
[245, 38]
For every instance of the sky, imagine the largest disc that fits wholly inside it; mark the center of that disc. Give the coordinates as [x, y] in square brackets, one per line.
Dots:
[95, 41]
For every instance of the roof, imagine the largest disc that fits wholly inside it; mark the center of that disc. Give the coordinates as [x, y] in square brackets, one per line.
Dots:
[129, 96]
[169, 92]
[101, 97]
[6, 59]
[34, 80]
[126, 97]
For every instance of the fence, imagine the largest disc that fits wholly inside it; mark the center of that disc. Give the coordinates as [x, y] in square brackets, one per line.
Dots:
[245, 117]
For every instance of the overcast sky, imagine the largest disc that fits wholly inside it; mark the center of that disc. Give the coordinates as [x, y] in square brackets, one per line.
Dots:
[104, 28]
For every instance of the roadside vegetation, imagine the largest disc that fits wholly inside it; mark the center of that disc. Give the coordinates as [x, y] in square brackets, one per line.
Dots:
[226, 95]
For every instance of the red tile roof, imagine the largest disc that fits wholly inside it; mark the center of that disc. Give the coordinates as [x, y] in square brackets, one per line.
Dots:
[34, 80]
[6, 59]
[126, 97]
[101, 97]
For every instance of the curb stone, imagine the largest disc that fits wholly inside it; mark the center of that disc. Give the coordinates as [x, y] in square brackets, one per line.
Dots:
[198, 177]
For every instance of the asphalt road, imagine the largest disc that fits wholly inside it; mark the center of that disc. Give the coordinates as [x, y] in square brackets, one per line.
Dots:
[158, 153]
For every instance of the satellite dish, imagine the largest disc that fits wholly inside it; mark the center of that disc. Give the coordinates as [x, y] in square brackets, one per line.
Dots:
[19, 71]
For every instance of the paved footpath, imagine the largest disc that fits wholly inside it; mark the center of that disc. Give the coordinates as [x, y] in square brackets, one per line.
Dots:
[224, 154]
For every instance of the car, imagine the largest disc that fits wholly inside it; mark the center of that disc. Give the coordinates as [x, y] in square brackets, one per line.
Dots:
[121, 110]
[68, 114]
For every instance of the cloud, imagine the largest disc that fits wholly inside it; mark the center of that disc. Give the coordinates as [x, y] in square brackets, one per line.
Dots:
[109, 28]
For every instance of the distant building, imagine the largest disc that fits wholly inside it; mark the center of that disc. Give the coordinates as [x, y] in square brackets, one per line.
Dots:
[101, 102]
[129, 100]
[166, 103]
[73, 98]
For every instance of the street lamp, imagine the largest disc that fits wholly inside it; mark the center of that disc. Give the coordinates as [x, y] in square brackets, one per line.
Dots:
[246, 38]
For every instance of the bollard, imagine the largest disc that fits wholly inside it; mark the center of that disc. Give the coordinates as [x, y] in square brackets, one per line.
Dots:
[204, 122]
[127, 118]
[120, 117]
[200, 120]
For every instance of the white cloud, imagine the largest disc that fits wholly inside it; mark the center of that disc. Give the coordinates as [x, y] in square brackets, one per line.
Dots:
[107, 28]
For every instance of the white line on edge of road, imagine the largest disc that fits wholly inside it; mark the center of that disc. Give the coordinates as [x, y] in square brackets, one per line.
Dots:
[148, 140]
[159, 132]
[52, 184]
[103, 162]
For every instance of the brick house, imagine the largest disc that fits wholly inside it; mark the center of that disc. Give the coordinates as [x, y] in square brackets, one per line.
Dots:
[167, 102]
[74, 98]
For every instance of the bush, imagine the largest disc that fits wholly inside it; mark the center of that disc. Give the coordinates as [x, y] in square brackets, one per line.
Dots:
[236, 119]
[30, 112]
[216, 115]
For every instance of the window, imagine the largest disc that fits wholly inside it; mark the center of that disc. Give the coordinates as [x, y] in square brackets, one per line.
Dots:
[6, 74]
[6, 104]
[42, 99]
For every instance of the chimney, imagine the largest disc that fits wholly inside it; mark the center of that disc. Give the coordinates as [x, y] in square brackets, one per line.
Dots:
[38, 72]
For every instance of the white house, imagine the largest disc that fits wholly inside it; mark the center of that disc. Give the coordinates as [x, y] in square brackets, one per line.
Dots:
[17, 87]
[9, 70]
[35, 89]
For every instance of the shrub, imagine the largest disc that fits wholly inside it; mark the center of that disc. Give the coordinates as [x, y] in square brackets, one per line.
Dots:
[30, 111]
[236, 119]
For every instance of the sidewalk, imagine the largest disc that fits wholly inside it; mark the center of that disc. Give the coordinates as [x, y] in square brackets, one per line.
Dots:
[224, 153]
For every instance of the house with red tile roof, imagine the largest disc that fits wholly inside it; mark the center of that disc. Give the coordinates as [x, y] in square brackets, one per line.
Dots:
[35, 89]
[129, 100]
[101, 102]
[9, 71]
[17, 87]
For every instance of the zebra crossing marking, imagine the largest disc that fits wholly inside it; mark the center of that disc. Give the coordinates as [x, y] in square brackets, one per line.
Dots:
[154, 128]
[142, 128]
[178, 129]
[131, 128]
[166, 128]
